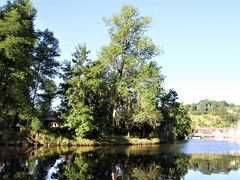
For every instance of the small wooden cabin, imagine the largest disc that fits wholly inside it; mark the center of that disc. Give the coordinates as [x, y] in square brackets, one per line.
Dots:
[52, 119]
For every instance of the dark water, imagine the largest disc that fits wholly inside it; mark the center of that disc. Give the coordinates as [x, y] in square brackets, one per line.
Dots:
[193, 159]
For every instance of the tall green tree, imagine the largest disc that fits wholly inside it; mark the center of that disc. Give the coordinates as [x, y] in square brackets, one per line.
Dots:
[45, 68]
[28, 65]
[121, 92]
[65, 75]
[17, 40]
[148, 87]
[123, 60]
[79, 116]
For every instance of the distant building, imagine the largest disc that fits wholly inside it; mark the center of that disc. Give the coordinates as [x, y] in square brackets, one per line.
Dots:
[52, 119]
[217, 132]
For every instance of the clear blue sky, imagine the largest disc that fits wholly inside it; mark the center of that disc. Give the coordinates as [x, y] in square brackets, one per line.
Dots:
[200, 38]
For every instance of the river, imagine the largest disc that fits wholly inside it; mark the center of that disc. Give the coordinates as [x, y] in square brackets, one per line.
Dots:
[192, 159]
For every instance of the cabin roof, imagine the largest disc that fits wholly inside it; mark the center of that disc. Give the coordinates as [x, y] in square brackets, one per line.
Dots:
[52, 116]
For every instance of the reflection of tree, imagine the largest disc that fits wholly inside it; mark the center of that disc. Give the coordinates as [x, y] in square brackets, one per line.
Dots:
[18, 166]
[86, 166]
[214, 163]
[165, 166]
[77, 168]
[29, 163]
[100, 165]
[151, 172]
[13, 168]
[42, 165]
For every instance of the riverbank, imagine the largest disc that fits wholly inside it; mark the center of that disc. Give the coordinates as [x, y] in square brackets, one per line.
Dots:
[55, 140]
[48, 139]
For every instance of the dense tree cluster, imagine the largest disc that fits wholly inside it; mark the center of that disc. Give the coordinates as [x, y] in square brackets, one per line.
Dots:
[118, 93]
[121, 92]
[27, 66]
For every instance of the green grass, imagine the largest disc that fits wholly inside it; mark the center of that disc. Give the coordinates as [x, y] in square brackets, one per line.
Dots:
[34, 138]
[54, 140]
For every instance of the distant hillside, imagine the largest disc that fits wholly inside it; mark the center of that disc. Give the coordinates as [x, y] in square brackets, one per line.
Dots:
[217, 114]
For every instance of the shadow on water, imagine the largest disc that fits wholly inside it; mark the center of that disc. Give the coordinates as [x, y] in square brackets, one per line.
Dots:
[164, 161]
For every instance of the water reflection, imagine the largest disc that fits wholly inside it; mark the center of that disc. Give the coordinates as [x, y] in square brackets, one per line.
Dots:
[161, 162]
[97, 165]
[214, 163]
[210, 146]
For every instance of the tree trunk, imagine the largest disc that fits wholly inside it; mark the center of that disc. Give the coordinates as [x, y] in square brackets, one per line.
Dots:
[143, 131]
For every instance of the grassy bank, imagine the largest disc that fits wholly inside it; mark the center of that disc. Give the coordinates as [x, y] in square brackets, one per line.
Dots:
[55, 140]
[50, 139]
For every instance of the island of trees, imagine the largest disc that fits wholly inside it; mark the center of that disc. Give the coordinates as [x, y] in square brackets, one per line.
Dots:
[118, 94]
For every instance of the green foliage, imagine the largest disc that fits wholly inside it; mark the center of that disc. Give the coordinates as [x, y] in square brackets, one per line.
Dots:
[176, 124]
[115, 91]
[135, 81]
[79, 119]
[16, 44]
[27, 65]
[36, 124]
[183, 122]
[120, 92]
[207, 113]
[45, 68]
[79, 116]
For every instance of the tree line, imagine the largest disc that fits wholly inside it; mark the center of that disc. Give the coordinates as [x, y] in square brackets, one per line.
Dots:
[227, 114]
[119, 93]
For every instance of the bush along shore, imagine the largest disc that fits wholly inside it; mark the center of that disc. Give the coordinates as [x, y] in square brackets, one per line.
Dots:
[47, 139]
[54, 140]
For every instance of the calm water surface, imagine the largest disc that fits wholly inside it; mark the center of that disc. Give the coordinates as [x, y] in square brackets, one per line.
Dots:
[193, 159]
